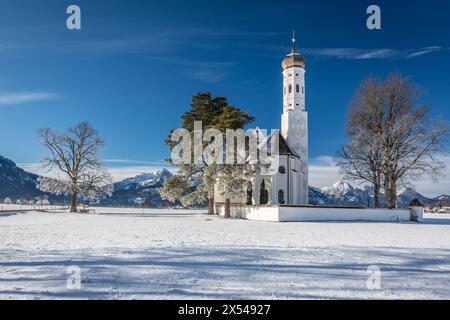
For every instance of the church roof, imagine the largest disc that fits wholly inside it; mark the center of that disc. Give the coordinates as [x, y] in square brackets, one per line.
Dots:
[293, 60]
[284, 148]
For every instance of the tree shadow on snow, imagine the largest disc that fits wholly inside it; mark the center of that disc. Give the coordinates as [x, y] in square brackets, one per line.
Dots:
[216, 273]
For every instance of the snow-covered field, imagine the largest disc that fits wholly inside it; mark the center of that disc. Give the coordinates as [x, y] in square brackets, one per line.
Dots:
[165, 254]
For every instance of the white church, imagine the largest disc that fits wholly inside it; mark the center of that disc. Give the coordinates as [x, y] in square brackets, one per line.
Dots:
[282, 195]
[289, 185]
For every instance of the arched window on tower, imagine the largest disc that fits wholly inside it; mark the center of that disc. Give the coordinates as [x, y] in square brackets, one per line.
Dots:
[297, 88]
[290, 88]
[281, 197]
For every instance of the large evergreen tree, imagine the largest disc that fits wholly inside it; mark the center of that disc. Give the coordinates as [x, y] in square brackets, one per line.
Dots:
[194, 183]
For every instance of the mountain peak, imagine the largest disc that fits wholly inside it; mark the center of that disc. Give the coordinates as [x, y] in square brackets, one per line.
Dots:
[134, 190]
[339, 188]
[16, 182]
[163, 172]
[5, 162]
[341, 184]
[150, 179]
[443, 197]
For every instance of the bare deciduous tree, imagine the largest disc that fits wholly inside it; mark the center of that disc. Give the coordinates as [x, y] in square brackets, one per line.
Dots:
[393, 139]
[412, 140]
[74, 156]
[361, 159]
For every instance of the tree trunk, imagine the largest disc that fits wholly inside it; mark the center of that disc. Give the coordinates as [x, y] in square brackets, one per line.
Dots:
[73, 202]
[211, 206]
[392, 198]
[376, 196]
[227, 208]
[390, 192]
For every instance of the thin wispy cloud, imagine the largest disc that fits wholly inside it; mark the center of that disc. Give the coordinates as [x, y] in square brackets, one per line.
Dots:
[206, 71]
[8, 99]
[154, 41]
[205, 75]
[344, 53]
[426, 50]
[169, 40]
[226, 32]
[365, 54]
[191, 63]
[134, 162]
[166, 41]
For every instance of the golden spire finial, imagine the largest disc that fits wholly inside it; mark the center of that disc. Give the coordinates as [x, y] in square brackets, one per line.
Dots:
[293, 41]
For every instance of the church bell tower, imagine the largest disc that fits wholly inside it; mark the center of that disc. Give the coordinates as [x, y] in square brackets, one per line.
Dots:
[294, 120]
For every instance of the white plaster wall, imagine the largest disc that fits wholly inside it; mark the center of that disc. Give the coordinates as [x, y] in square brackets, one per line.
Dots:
[293, 189]
[261, 214]
[316, 214]
[280, 181]
[417, 214]
[292, 214]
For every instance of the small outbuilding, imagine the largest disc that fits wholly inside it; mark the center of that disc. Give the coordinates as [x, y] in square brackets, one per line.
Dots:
[415, 203]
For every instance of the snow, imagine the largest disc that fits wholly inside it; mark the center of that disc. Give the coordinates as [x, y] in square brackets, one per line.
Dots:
[183, 254]
[338, 189]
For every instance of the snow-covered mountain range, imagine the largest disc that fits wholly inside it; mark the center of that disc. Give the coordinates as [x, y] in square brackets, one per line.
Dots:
[142, 189]
[343, 193]
[144, 180]
[139, 190]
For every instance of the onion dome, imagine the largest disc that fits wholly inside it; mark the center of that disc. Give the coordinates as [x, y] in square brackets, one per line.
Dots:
[294, 59]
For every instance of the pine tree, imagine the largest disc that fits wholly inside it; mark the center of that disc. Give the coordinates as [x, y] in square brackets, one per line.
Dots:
[194, 183]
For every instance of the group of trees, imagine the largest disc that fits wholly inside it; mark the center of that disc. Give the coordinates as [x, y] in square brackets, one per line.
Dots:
[195, 183]
[392, 139]
[40, 201]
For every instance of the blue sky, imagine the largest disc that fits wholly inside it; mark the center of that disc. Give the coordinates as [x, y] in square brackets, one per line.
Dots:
[132, 69]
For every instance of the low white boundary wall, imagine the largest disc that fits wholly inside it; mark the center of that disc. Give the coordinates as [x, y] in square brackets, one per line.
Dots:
[299, 214]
